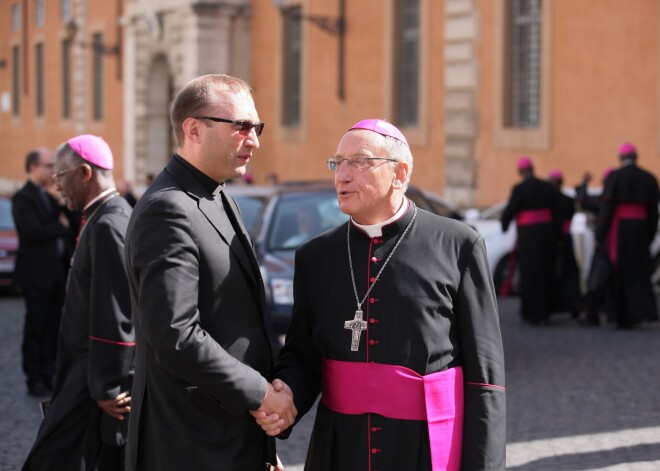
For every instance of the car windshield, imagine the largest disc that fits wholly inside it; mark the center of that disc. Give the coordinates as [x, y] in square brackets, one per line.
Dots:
[251, 209]
[298, 217]
[6, 219]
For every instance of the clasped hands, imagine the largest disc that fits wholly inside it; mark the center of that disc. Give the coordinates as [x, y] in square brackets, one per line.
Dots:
[277, 411]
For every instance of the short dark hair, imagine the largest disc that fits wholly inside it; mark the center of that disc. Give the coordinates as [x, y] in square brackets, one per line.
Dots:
[32, 158]
[197, 96]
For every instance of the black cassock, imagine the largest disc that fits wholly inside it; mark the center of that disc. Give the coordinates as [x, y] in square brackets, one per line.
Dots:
[536, 246]
[95, 349]
[633, 298]
[567, 274]
[433, 308]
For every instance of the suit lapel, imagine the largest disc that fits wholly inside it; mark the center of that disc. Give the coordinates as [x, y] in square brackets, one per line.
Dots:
[210, 208]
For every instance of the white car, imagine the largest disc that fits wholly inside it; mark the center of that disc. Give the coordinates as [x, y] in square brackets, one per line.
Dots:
[499, 245]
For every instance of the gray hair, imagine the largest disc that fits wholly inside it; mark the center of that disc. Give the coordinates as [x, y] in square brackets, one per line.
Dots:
[399, 151]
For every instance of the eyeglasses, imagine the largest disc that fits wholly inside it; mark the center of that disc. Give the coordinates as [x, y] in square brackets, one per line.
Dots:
[59, 174]
[245, 126]
[359, 162]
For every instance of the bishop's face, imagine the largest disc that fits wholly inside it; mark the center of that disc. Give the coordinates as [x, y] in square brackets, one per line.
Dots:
[372, 194]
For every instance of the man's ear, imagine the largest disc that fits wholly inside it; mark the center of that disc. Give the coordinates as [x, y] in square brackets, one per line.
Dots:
[87, 172]
[191, 128]
[400, 174]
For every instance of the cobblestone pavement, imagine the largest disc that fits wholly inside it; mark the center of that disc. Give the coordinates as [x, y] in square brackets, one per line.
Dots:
[579, 398]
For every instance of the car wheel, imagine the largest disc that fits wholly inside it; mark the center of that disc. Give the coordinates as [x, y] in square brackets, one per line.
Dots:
[506, 284]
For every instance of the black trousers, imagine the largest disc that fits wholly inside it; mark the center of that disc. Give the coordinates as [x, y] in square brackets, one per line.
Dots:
[42, 322]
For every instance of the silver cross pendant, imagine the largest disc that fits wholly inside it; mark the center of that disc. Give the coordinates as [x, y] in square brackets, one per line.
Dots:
[357, 325]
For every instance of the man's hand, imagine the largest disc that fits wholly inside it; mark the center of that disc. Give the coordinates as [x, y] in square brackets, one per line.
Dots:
[277, 412]
[279, 466]
[117, 406]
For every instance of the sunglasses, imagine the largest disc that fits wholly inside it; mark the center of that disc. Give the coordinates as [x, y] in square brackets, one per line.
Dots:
[244, 126]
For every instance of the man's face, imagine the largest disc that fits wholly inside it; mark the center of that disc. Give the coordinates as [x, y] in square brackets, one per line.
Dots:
[368, 195]
[42, 172]
[68, 182]
[224, 151]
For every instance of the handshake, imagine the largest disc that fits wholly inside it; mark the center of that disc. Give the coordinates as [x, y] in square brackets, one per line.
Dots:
[277, 411]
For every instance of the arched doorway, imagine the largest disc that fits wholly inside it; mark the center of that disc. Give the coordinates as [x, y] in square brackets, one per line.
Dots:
[159, 140]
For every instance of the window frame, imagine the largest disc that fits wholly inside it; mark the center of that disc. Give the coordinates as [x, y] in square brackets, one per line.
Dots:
[507, 136]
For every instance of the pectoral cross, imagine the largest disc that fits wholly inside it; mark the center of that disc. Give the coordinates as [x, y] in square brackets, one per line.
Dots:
[357, 325]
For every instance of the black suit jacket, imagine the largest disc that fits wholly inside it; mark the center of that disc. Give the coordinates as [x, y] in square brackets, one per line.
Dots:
[202, 348]
[38, 262]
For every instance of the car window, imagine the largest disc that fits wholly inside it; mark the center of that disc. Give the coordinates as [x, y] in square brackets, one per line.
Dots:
[6, 219]
[251, 208]
[299, 217]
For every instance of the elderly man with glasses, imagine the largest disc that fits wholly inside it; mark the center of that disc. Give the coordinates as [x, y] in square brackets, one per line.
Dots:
[395, 324]
[45, 239]
[85, 425]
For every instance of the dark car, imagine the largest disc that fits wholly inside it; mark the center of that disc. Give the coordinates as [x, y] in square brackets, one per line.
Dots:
[281, 218]
[8, 246]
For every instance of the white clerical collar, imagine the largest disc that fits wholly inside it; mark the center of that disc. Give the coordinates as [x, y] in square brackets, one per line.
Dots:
[376, 230]
[99, 197]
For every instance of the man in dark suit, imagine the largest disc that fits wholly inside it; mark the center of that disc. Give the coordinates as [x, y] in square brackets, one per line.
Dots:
[203, 353]
[44, 233]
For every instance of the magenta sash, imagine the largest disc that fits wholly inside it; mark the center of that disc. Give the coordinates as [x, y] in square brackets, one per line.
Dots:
[398, 392]
[622, 211]
[533, 216]
[566, 226]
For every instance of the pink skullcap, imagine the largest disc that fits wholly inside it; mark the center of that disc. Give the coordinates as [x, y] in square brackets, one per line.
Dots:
[93, 149]
[556, 174]
[524, 162]
[381, 127]
[627, 148]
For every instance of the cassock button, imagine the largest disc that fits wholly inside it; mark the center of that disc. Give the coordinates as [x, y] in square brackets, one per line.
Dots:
[374, 259]
[372, 279]
[375, 429]
[373, 342]
[372, 300]
[373, 321]
[374, 451]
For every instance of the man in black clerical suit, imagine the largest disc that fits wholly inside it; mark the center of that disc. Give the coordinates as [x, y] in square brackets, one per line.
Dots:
[85, 425]
[627, 224]
[395, 324]
[44, 234]
[534, 204]
[203, 353]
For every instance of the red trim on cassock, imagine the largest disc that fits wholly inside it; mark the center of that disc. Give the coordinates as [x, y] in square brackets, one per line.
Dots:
[123, 344]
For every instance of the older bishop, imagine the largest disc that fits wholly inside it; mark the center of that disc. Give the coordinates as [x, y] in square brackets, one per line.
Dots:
[422, 386]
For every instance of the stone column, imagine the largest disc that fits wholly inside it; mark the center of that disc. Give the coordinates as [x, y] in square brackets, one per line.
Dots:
[461, 83]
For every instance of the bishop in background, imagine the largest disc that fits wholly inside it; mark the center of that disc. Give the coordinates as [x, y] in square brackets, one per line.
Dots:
[395, 324]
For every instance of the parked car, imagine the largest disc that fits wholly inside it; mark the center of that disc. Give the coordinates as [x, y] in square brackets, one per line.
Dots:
[499, 245]
[281, 218]
[8, 245]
